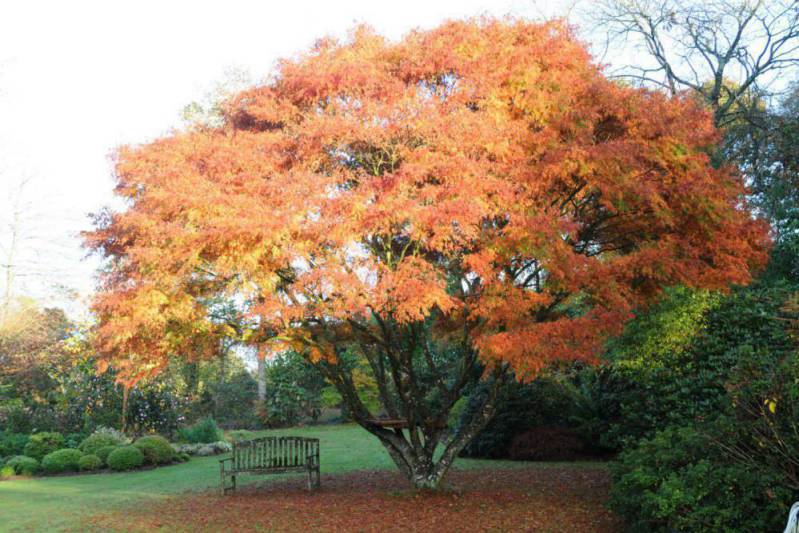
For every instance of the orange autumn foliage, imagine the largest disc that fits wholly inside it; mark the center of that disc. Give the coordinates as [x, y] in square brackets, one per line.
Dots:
[485, 175]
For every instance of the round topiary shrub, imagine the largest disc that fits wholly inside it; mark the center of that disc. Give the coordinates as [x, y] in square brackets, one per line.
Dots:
[40, 444]
[90, 462]
[125, 458]
[156, 449]
[6, 472]
[183, 456]
[103, 452]
[66, 460]
[23, 465]
[95, 441]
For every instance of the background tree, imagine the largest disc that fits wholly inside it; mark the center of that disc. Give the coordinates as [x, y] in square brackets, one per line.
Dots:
[720, 50]
[765, 150]
[464, 204]
[31, 340]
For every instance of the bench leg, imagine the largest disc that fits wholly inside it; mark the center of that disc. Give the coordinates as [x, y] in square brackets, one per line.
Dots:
[232, 486]
[314, 480]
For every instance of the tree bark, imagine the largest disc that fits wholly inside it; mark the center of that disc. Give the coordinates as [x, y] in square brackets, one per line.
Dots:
[125, 394]
[261, 376]
[221, 378]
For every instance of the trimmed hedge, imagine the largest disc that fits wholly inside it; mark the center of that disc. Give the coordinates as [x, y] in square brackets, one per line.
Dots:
[95, 441]
[41, 444]
[23, 465]
[103, 453]
[125, 458]
[65, 460]
[156, 449]
[90, 462]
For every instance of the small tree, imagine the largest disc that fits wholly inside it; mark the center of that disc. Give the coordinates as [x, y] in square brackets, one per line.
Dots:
[469, 203]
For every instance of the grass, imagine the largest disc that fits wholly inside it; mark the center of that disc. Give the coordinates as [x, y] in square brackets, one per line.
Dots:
[60, 503]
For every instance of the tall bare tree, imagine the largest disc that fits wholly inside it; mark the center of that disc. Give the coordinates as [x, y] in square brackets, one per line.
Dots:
[723, 50]
[13, 231]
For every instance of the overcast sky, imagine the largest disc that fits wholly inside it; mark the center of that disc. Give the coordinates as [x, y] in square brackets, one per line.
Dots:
[78, 79]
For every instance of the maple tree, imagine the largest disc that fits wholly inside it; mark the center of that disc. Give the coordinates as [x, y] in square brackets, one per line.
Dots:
[472, 202]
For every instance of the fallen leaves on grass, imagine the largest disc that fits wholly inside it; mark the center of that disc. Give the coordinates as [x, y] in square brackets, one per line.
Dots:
[520, 499]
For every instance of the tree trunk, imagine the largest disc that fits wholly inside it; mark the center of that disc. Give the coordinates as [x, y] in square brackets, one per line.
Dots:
[125, 393]
[8, 261]
[420, 392]
[261, 376]
[221, 378]
[416, 459]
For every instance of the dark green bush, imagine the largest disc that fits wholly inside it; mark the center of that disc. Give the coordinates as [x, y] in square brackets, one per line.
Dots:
[65, 460]
[73, 440]
[203, 432]
[183, 456]
[154, 408]
[684, 380]
[23, 466]
[233, 400]
[95, 441]
[520, 408]
[156, 449]
[103, 453]
[41, 444]
[12, 443]
[730, 403]
[678, 481]
[546, 443]
[15, 417]
[125, 458]
[293, 392]
[90, 462]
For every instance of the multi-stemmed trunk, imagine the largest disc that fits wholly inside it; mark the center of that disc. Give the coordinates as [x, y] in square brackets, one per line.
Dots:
[421, 445]
[418, 459]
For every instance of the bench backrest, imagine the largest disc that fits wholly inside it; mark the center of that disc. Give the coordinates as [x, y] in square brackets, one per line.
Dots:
[275, 452]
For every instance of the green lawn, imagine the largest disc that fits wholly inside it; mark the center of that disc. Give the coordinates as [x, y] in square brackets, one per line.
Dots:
[57, 503]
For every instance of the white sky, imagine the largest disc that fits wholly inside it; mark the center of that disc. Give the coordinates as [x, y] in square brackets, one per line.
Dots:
[79, 78]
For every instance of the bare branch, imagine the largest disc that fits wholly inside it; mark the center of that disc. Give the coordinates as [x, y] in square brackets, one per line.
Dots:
[720, 50]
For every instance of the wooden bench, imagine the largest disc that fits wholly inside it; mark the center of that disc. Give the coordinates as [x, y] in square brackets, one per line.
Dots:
[271, 455]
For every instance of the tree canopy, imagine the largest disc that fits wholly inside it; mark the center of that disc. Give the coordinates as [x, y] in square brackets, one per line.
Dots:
[480, 185]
